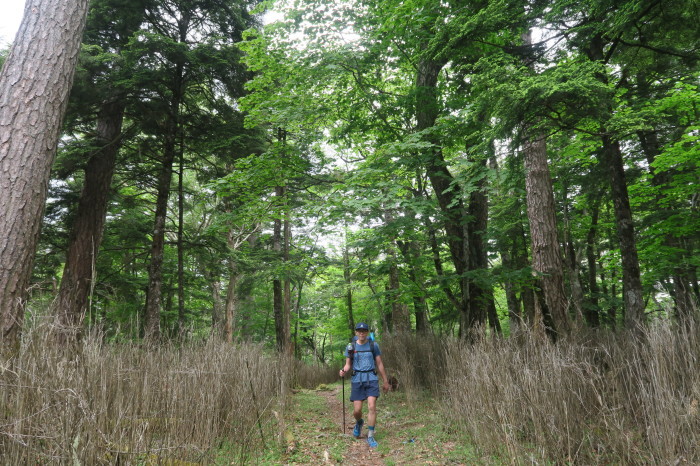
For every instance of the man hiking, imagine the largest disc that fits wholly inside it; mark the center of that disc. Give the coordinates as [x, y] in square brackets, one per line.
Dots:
[364, 358]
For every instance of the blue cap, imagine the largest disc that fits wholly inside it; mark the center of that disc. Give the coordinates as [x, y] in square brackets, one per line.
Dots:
[362, 326]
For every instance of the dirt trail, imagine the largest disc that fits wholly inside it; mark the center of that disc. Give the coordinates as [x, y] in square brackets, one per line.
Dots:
[408, 432]
[358, 452]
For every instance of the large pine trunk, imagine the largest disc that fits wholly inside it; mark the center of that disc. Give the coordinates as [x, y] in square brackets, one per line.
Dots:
[85, 238]
[546, 253]
[34, 85]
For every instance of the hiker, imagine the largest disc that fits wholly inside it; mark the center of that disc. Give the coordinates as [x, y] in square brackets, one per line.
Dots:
[364, 358]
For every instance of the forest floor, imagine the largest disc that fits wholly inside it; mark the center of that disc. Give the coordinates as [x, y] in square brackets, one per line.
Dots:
[408, 432]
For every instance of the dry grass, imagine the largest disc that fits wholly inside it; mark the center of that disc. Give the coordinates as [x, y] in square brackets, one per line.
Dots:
[600, 399]
[131, 404]
[311, 376]
[594, 399]
[418, 363]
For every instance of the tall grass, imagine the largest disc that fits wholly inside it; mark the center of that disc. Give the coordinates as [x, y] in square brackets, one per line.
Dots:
[419, 363]
[312, 375]
[129, 404]
[595, 399]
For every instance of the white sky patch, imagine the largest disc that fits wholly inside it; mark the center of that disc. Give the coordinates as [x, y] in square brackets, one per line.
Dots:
[11, 17]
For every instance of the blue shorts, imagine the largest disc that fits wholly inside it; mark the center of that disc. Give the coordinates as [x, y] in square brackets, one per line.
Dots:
[361, 390]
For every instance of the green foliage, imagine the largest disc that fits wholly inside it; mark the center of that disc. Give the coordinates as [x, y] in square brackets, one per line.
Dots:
[324, 103]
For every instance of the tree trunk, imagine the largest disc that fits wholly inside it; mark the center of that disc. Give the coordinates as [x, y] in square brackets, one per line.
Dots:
[546, 254]
[611, 158]
[155, 270]
[34, 85]
[447, 193]
[631, 277]
[482, 305]
[71, 303]
[280, 285]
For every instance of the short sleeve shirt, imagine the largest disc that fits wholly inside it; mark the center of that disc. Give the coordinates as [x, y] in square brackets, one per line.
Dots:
[363, 361]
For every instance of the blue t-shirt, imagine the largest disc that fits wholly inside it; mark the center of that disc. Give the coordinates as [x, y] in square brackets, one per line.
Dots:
[363, 360]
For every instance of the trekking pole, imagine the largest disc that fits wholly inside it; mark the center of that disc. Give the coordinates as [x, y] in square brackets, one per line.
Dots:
[343, 403]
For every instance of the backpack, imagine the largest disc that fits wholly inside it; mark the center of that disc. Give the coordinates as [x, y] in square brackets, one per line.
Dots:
[352, 351]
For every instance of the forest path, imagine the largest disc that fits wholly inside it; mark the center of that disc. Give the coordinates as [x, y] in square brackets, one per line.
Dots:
[408, 432]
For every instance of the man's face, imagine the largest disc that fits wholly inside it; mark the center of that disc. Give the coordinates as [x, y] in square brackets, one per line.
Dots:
[362, 333]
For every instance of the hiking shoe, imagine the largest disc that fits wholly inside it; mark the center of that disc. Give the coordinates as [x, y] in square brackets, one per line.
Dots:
[358, 428]
[371, 442]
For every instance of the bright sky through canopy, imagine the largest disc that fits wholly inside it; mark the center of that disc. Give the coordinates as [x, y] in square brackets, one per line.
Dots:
[12, 11]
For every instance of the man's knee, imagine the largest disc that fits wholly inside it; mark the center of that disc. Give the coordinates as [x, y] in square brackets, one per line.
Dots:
[372, 407]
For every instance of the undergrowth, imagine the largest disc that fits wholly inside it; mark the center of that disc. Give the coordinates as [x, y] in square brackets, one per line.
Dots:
[594, 398]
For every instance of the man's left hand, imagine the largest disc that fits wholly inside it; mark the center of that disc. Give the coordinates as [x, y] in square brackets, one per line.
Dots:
[386, 387]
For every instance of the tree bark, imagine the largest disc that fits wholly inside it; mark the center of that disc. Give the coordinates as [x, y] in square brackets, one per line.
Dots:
[71, 303]
[34, 85]
[546, 253]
